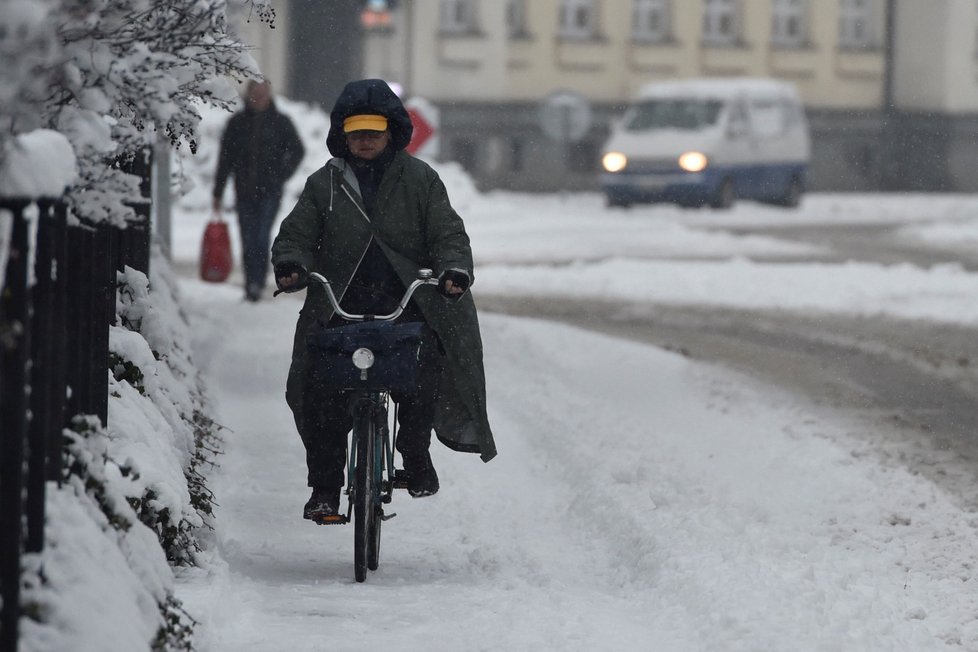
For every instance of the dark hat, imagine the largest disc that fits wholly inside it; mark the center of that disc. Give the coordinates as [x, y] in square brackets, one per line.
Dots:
[368, 97]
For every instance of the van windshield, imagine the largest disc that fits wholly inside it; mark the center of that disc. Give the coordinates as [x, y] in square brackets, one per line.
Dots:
[673, 114]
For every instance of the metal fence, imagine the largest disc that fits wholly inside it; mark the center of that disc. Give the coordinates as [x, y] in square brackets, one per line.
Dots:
[57, 302]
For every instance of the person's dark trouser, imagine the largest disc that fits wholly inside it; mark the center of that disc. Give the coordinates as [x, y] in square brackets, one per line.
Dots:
[256, 217]
[327, 421]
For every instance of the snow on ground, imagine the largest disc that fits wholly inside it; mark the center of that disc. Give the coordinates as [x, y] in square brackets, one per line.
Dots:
[943, 293]
[571, 244]
[639, 498]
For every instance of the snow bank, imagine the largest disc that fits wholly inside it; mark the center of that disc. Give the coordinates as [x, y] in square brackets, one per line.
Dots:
[865, 289]
[95, 588]
[132, 498]
[37, 164]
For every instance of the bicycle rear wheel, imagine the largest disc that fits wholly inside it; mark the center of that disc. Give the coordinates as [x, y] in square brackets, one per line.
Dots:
[364, 505]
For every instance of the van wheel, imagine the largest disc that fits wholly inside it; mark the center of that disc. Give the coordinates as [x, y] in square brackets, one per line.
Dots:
[724, 198]
[792, 194]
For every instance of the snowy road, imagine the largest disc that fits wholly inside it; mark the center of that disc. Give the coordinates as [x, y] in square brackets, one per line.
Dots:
[911, 383]
[639, 499]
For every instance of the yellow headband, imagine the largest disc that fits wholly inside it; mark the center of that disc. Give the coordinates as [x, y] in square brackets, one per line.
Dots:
[365, 122]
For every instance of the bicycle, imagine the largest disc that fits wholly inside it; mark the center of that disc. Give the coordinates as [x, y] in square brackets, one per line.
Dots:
[370, 357]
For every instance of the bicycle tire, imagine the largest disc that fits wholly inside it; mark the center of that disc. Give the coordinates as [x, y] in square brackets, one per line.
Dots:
[363, 502]
[373, 530]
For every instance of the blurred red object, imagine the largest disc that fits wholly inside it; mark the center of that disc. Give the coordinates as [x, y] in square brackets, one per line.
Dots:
[215, 252]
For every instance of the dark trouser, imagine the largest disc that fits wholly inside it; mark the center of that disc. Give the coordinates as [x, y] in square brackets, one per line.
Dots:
[327, 421]
[256, 217]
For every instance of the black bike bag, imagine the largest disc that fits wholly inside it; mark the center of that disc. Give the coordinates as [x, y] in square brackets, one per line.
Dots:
[396, 349]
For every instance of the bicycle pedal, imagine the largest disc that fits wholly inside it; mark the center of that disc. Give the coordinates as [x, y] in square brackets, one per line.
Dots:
[400, 479]
[332, 519]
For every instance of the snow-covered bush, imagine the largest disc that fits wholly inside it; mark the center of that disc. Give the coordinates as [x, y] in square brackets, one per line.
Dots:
[158, 421]
[132, 496]
[110, 75]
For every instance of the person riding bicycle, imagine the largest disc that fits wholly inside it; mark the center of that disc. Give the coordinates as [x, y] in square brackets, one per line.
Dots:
[368, 221]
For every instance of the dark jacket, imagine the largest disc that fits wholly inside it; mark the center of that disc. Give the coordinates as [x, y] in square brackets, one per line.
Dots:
[261, 149]
[414, 225]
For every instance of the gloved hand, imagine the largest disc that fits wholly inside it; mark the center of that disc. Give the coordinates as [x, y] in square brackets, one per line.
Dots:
[291, 277]
[452, 283]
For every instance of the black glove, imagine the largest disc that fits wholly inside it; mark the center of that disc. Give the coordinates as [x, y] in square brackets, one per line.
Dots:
[458, 278]
[285, 270]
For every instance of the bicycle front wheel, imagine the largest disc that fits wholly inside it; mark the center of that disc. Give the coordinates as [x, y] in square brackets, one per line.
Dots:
[373, 531]
[364, 506]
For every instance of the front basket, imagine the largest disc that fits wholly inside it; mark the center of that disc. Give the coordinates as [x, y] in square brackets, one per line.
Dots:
[397, 350]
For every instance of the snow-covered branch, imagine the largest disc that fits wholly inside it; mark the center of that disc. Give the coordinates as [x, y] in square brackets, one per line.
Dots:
[111, 75]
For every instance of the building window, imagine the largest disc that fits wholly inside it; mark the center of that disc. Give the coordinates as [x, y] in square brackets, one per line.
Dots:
[789, 26]
[578, 19]
[458, 17]
[651, 20]
[856, 24]
[516, 18]
[721, 22]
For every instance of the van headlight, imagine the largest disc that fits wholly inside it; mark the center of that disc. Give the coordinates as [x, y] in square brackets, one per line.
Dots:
[614, 161]
[693, 161]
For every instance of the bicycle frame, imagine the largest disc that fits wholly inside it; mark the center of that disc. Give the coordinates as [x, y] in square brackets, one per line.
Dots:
[376, 403]
[376, 477]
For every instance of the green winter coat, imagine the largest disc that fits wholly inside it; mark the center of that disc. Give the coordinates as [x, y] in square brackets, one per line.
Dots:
[414, 224]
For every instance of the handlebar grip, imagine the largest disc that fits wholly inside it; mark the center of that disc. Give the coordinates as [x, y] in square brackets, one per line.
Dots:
[298, 287]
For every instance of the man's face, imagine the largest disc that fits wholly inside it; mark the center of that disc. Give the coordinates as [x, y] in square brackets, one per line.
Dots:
[259, 96]
[367, 145]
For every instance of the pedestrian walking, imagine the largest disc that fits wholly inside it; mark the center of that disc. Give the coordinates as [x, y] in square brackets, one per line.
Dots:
[261, 150]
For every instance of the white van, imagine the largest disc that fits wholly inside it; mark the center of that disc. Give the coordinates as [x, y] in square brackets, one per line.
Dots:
[709, 141]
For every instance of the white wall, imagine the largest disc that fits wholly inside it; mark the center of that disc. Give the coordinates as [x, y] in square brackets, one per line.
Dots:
[269, 45]
[936, 63]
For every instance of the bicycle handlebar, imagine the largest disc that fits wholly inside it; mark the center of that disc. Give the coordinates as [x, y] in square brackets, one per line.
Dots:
[425, 277]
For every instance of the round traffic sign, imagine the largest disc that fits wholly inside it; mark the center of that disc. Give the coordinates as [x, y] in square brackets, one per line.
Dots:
[565, 116]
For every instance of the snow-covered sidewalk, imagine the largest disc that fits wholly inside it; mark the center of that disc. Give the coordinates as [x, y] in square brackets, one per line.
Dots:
[639, 499]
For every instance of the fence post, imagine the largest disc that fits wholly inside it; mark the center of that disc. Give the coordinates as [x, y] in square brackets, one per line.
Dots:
[59, 340]
[81, 330]
[162, 199]
[15, 313]
[47, 373]
[41, 333]
[135, 237]
[104, 260]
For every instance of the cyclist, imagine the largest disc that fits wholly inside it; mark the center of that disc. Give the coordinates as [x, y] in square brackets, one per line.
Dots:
[367, 221]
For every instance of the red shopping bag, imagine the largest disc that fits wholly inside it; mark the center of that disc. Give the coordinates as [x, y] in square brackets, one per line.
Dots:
[215, 252]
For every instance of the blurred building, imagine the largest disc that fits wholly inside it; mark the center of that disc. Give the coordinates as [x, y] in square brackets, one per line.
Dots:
[890, 86]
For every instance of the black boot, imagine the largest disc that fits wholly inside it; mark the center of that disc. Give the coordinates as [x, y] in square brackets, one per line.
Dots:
[421, 477]
[323, 504]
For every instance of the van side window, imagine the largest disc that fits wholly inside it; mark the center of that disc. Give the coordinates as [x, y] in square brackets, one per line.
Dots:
[739, 124]
[768, 117]
[792, 112]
